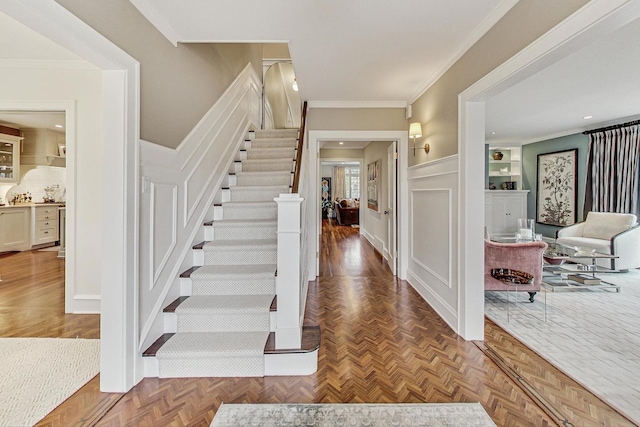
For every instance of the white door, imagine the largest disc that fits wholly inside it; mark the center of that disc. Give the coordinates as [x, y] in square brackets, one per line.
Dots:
[390, 209]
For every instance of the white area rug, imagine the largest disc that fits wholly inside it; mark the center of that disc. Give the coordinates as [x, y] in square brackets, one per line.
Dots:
[37, 374]
[356, 414]
[592, 336]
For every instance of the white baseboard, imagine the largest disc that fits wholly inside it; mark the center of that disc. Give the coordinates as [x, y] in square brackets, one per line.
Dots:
[445, 311]
[291, 364]
[86, 304]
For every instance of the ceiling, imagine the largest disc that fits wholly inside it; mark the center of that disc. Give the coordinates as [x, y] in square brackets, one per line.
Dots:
[349, 52]
[601, 80]
[33, 120]
[375, 51]
[343, 145]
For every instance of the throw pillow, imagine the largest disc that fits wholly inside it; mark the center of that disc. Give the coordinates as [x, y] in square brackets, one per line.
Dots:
[512, 276]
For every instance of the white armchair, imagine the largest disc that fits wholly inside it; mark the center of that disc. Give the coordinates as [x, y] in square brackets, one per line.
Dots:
[609, 233]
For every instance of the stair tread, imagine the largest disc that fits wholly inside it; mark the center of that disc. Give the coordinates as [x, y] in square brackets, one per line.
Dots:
[243, 222]
[249, 204]
[233, 271]
[259, 187]
[225, 244]
[214, 344]
[199, 304]
[263, 173]
[275, 159]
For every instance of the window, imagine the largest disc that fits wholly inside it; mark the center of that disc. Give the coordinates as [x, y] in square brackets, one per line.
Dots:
[352, 182]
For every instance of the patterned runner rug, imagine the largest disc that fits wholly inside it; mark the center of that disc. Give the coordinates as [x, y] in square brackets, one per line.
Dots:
[352, 415]
[37, 374]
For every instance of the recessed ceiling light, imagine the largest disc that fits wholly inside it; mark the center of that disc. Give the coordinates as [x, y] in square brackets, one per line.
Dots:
[588, 117]
[59, 126]
[493, 133]
[341, 143]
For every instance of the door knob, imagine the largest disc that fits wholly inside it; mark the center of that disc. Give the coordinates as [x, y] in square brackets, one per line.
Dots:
[386, 212]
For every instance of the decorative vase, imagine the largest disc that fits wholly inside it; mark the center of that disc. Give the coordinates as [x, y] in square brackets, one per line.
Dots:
[497, 155]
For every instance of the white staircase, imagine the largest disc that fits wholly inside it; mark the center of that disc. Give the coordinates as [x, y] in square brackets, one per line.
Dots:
[220, 325]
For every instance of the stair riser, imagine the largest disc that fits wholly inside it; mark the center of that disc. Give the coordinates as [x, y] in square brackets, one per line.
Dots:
[274, 143]
[240, 257]
[223, 322]
[239, 194]
[267, 166]
[212, 367]
[280, 179]
[230, 287]
[275, 133]
[249, 213]
[239, 233]
[270, 153]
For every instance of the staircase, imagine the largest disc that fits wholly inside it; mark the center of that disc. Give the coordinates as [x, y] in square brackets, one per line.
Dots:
[220, 325]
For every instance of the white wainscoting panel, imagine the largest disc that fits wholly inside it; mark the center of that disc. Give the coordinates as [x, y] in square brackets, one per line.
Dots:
[178, 189]
[433, 252]
[163, 220]
[433, 247]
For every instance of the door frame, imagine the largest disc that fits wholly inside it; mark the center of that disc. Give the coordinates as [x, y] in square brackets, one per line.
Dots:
[392, 204]
[596, 18]
[120, 360]
[68, 107]
[315, 137]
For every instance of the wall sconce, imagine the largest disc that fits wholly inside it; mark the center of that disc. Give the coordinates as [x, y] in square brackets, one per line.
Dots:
[415, 131]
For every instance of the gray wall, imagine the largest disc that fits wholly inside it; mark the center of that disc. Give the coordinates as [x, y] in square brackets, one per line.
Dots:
[178, 84]
[437, 108]
[530, 173]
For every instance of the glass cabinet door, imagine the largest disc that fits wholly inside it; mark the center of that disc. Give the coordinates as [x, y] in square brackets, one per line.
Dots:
[9, 158]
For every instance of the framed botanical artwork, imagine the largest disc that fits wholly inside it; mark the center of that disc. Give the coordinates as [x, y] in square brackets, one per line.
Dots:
[556, 191]
[373, 186]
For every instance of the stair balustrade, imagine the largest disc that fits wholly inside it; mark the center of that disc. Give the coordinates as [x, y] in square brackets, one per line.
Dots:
[292, 279]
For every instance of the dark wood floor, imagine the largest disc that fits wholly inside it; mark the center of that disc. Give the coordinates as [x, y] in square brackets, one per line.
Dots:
[380, 343]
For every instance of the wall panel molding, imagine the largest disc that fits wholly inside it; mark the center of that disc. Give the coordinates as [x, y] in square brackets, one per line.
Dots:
[178, 188]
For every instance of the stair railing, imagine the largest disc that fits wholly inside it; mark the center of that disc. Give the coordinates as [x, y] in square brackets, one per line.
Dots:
[292, 280]
[296, 175]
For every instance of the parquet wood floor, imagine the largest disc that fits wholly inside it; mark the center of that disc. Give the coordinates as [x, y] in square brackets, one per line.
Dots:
[380, 343]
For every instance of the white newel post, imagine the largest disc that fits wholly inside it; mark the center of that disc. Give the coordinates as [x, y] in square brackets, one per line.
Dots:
[288, 327]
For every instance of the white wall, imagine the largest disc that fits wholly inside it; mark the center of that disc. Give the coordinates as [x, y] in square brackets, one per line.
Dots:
[374, 226]
[433, 230]
[84, 87]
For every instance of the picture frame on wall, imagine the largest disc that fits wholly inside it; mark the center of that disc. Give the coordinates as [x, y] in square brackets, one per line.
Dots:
[325, 194]
[557, 196]
[373, 186]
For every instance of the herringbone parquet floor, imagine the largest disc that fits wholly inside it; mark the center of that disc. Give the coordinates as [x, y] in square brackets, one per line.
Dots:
[380, 343]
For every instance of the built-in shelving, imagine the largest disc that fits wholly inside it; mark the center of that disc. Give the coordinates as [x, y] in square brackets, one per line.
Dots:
[505, 172]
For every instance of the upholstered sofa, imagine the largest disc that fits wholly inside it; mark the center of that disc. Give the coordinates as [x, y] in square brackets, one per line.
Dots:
[347, 211]
[525, 257]
[609, 233]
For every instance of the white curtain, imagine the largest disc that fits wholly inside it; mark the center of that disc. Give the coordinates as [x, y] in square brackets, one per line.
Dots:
[612, 171]
[338, 186]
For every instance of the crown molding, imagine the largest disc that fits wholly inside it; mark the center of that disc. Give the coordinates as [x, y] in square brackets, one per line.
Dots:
[492, 19]
[357, 104]
[47, 64]
[149, 12]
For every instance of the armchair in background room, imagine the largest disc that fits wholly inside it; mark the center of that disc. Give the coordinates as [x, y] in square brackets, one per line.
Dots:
[347, 211]
[525, 257]
[609, 233]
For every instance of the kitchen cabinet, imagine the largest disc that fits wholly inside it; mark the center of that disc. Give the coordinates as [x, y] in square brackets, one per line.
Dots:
[502, 210]
[9, 158]
[45, 224]
[15, 228]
